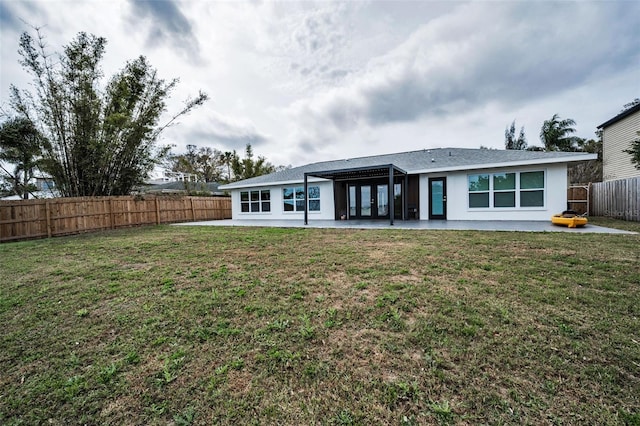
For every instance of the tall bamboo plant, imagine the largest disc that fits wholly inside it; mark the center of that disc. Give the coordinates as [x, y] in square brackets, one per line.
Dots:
[102, 139]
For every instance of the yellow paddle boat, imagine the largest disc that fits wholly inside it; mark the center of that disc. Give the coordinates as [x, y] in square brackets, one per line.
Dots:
[569, 218]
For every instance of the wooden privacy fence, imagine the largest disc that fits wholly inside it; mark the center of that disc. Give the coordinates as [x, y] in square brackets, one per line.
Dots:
[43, 218]
[616, 198]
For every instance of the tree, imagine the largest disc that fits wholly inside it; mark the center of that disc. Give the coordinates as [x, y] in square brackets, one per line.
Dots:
[591, 170]
[21, 144]
[6, 189]
[510, 141]
[184, 163]
[634, 151]
[555, 135]
[205, 162]
[209, 164]
[248, 167]
[227, 160]
[212, 165]
[102, 140]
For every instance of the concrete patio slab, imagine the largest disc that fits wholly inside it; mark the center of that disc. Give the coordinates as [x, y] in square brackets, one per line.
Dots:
[469, 225]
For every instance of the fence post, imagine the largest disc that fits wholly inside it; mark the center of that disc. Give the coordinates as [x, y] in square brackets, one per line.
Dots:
[47, 208]
[157, 211]
[193, 210]
[111, 218]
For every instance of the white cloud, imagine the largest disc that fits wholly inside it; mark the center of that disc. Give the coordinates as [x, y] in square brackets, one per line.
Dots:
[213, 129]
[456, 65]
[309, 81]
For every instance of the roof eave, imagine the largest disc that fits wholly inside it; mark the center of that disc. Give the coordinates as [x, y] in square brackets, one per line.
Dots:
[533, 162]
[232, 186]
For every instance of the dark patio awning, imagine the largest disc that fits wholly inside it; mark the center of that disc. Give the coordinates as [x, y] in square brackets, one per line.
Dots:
[382, 171]
[358, 172]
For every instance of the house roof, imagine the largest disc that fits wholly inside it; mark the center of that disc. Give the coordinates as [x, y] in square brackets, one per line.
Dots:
[620, 116]
[423, 161]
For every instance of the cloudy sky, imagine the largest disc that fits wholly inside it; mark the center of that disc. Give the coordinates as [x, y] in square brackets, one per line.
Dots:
[312, 81]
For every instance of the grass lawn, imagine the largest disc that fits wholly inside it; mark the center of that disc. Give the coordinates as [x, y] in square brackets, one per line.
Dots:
[197, 325]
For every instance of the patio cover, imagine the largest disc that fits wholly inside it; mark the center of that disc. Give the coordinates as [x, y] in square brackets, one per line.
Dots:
[383, 170]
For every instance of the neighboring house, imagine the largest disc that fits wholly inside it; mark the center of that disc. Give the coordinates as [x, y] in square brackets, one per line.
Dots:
[45, 188]
[45, 183]
[32, 196]
[181, 187]
[159, 176]
[617, 135]
[437, 184]
[163, 181]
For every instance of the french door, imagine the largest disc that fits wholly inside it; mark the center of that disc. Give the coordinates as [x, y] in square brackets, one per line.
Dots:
[368, 201]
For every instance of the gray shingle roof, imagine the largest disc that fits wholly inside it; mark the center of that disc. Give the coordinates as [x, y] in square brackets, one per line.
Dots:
[423, 161]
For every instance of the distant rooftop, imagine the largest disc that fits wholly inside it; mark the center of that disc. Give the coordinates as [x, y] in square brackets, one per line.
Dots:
[181, 186]
[422, 161]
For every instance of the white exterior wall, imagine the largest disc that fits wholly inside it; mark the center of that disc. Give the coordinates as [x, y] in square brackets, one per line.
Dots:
[327, 210]
[616, 138]
[555, 197]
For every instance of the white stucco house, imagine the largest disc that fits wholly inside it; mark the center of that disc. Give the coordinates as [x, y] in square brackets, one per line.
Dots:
[617, 135]
[436, 184]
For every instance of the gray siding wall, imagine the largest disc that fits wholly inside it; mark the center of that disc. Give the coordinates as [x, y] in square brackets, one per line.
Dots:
[616, 138]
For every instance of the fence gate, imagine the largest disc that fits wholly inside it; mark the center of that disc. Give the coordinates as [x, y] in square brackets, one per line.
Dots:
[578, 198]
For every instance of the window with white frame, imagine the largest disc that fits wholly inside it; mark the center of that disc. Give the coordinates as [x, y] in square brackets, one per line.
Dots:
[255, 201]
[479, 191]
[294, 200]
[506, 190]
[532, 189]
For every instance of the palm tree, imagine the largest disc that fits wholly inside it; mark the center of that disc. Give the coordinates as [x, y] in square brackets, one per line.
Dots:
[555, 134]
[21, 144]
[227, 159]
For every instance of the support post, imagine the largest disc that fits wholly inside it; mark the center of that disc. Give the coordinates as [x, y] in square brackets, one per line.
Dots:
[405, 198]
[390, 197]
[306, 201]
